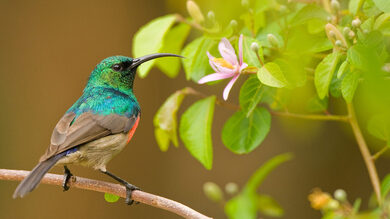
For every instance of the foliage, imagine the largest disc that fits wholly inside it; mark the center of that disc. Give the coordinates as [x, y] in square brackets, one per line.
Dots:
[339, 51]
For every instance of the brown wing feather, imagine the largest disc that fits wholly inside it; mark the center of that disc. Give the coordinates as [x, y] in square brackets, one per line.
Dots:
[87, 127]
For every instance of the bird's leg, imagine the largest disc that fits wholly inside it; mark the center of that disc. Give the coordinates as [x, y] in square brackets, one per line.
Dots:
[129, 187]
[67, 176]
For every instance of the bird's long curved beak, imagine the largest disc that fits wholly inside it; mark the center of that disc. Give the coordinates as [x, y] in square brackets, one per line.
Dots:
[140, 60]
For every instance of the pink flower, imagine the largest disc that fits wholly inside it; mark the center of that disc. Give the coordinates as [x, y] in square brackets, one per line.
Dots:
[226, 67]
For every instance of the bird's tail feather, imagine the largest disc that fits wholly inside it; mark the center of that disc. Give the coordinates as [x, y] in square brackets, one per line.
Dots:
[34, 178]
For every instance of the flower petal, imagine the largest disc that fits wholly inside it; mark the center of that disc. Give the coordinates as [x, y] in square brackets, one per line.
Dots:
[214, 77]
[229, 87]
[227, 51]
[243, 66]
[240, 49]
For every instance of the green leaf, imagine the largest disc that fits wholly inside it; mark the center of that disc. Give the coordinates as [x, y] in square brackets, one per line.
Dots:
[242, 206]
[251, 94]
[349, 85]
[379, 126]
[249, 55]
[354, 6]
[307, 13]
[382, 23]
[165, 120]
[110, 197]
[248, 202]
[315, 105]
[385, 186]
[173, 43]
[196, 63]
[242, 135]
[269, 207]
[324, 73]
[343, 68]
[383, 5]
[195, 130]
[271, 75]
[149, 39]
[261, 173]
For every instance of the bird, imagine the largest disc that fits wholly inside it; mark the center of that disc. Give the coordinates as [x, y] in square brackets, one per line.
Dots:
[97, 126]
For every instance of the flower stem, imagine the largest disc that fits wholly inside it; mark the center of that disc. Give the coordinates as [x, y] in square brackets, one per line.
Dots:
[365, 152]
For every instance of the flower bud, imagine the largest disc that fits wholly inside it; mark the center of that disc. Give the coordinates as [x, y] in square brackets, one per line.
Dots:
[356, 23]
[332, 34]
[338, 43]
[272, 40]
[335, 5]
[211, 16]
[283, 9]
[245, 3]
[340, 195]
[255, 47]
[231, 188]
[386, 67]
[351, 34]
[233, 23]
[195, 12]
[346, 30]
[212, 191]
[332, 205]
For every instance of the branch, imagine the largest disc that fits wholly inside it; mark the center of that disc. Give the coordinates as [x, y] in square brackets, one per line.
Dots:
[106, 187]
[312, 116]
[365, 153]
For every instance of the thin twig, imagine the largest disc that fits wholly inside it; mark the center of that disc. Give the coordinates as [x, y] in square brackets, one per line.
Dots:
[106, 187]
[312, 116]
[365, 153]
[379, 153]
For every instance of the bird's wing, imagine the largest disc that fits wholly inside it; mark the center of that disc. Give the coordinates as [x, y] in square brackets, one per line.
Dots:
[70, 132]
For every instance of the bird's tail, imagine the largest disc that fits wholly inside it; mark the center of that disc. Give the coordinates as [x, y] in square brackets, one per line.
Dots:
[34, 178]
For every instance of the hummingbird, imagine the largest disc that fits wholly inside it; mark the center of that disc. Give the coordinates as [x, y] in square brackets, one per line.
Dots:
[97, 126]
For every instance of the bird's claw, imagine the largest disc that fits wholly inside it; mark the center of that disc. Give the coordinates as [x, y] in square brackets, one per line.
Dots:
[67, 176]
[129, 190]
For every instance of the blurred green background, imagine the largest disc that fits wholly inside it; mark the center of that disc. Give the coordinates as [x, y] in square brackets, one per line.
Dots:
[48, 49]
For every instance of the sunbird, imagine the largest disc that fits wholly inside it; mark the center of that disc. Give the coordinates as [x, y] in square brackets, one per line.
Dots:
[97, 126]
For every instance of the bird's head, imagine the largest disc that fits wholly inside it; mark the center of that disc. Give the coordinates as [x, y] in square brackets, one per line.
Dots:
[119, 71]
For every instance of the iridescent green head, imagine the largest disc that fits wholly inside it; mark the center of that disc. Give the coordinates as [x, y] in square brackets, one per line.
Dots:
[119, 71]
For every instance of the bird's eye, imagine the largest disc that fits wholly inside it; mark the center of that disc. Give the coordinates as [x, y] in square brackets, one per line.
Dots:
[117, 67]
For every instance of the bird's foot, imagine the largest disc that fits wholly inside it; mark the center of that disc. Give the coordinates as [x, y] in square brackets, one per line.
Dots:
[67, 176]
[129, 190]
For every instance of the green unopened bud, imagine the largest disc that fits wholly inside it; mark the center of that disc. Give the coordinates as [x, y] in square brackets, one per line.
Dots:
[351, 34]
[338, 43]
[340, 195]
[233, 23]
[213, 192]
[211, 16]
[272, 40]
[332, 205]
[335, 5]
[245, 3]
[231, 188]
[365, 31]
[195, 12]
[329, 18]
[346, 30]
[356, 23]
[255, 47]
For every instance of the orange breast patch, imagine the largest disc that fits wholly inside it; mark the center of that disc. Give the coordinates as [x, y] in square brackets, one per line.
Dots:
[132, 130]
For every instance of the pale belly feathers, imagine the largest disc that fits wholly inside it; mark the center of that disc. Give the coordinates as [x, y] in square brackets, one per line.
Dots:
[98, 153]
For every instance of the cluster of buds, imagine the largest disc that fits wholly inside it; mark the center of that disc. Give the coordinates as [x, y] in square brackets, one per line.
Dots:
[215, 193]
[335, 36]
